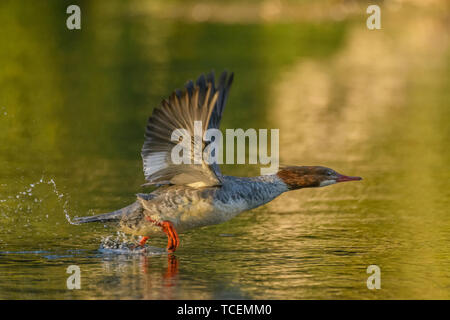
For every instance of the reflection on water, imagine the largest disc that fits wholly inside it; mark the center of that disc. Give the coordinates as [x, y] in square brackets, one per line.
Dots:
[73, 107]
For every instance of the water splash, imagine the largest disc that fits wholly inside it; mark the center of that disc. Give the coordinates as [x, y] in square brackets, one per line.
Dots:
[121, 243]
[3, 111]
[24, 197]
[19, 210]
[118, 241]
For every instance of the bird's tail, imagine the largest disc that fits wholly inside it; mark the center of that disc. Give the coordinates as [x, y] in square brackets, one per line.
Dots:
[109, 217]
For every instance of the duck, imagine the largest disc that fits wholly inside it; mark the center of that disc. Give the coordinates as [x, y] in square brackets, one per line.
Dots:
[195, 195]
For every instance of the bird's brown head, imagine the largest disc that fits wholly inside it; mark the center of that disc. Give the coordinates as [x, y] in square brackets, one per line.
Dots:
[311, 176]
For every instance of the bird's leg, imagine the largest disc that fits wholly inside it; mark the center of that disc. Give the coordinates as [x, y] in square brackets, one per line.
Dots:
[173, 241]
[172, 236]
[143, 241]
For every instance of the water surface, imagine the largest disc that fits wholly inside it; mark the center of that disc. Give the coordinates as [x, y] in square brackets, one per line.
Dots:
[73, 108]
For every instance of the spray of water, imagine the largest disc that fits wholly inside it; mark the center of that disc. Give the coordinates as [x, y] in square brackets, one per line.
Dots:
[120, 243]
[28, 193]
[3, 111]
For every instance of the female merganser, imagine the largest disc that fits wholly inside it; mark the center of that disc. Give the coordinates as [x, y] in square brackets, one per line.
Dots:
[196, 195]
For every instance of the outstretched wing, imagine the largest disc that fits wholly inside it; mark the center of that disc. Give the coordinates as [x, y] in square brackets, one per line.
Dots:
[201, 101]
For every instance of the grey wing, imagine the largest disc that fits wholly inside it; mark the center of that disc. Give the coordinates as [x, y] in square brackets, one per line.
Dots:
[223, 88]
[201, 101]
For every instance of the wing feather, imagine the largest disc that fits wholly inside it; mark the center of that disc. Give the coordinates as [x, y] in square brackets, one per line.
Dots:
[201, 101]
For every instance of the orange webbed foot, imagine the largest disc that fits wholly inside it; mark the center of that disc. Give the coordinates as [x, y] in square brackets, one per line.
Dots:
[141, 243]
[173, 241]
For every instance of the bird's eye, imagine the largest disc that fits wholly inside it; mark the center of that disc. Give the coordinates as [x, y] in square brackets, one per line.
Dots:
[329, 173]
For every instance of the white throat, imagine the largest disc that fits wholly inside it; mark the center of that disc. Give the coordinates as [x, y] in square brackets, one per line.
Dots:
[326, 183]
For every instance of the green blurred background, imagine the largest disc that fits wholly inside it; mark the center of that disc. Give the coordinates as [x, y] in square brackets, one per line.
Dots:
[374, 103]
